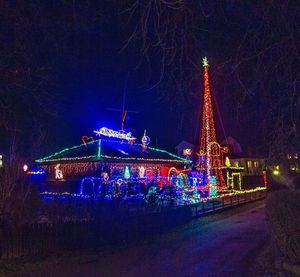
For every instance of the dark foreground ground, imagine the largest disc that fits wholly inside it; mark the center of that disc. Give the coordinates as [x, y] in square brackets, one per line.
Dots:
[224, 244]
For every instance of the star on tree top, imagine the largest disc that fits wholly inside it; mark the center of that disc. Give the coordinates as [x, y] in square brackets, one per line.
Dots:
[205, 62]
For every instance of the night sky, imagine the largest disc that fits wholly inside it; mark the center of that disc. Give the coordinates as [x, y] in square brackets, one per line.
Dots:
[252, 49]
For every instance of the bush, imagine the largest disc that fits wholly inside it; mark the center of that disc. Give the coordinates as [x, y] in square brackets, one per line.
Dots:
[283, 218]
[18, 199]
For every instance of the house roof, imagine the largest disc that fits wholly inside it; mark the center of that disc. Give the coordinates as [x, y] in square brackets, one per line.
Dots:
[247, 156]
[234, 145]
[184, 144]
[112, 150]
[229, 140]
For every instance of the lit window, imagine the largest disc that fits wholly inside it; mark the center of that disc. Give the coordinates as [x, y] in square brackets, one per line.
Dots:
[255, 164]
[249, 164]
[227, 162]
[236, 164]
[276, 170]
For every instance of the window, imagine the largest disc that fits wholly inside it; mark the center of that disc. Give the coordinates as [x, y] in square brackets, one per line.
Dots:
[249, 164]
[255, 164]
[236, 164]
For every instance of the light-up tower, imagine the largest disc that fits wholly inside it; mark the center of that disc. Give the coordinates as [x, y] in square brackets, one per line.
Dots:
[210, 162]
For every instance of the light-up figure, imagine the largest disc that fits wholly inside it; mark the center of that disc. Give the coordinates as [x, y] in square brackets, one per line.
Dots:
[145, 139]
[126, 173]
[105, 177]
[58, 172]
[141, 171]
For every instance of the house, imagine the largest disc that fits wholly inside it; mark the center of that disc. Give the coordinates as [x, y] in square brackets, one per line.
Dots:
[254, 167]
[107, 161]
[233, 145]
[184, 145]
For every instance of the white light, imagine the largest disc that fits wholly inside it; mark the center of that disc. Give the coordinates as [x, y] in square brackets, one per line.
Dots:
[58, 172]
[187, 152]
[114, 134]
[141, 171]
[25, 167]
[145, 139]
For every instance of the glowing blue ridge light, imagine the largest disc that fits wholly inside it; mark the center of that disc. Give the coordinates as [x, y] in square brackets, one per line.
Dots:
[99, 148]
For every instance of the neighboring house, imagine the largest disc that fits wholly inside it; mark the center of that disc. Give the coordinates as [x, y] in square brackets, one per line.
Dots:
[232, 144]
[251, 165]
[185, 145]
[254, 170]
[293, 163]
[254, 167]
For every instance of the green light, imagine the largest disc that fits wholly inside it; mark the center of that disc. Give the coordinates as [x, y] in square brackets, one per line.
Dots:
[99, 148]
[54, 157]
[126, 173]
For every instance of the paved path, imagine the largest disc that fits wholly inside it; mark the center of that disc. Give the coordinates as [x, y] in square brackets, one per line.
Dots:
[223, 244]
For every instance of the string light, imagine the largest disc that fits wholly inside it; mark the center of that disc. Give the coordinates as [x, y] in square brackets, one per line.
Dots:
[265, 178]
[210, 150]
[37, 172]
[193, 199]
[55, 157]
[85, 139]
[212, 185]
[99, 149]
[114, 134]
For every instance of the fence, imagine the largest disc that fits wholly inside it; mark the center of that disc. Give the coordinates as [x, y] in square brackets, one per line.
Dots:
[227, 201]
[46, 238]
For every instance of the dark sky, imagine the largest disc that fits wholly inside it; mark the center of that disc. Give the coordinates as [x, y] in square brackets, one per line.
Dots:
[249, 45]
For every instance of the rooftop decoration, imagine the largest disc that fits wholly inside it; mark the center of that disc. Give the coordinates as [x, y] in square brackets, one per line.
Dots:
[114, 134]
[112, 150]
[145, 139]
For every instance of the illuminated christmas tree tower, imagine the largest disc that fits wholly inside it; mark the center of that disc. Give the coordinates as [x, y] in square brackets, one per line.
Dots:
[210, 161]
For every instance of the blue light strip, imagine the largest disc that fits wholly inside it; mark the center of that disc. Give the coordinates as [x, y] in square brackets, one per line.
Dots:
[99, 148]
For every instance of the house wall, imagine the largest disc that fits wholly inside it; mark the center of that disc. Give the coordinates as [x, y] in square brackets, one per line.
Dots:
[252, 166]
[113, 169]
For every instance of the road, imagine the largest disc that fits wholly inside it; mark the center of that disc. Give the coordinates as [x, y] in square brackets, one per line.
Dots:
[223, 244]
